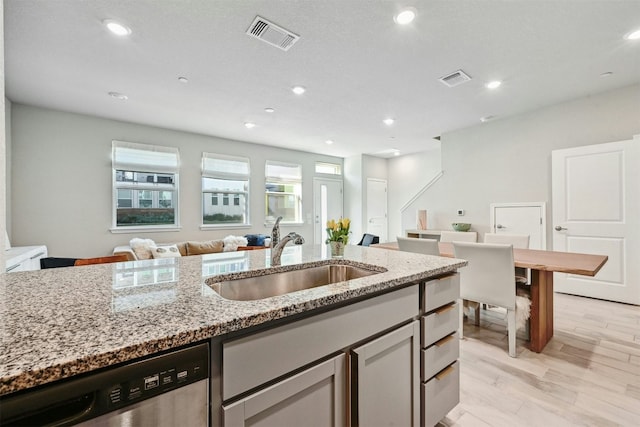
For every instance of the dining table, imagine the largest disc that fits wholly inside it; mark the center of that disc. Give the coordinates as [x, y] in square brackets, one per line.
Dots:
[543, 264]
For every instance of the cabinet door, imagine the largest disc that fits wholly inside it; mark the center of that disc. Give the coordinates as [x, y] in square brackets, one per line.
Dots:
[385, 379]
[314, 397]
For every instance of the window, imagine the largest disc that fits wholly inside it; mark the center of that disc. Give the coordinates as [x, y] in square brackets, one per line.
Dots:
[283, 192]
[225, 178]
[145, 185]
[328, 168]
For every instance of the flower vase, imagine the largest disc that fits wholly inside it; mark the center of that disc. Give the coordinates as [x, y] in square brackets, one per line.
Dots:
[337, 249]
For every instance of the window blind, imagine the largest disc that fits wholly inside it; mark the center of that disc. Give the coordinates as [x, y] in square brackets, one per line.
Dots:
[276, 171]
[131, 156]
[225, 167]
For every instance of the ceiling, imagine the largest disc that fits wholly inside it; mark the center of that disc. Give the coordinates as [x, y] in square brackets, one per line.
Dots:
[357, 64]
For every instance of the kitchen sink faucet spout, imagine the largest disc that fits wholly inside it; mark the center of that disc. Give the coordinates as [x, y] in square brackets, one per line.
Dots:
[276, 251]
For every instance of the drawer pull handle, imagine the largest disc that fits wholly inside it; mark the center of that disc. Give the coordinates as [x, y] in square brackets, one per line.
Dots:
[13, 267]
[444, 309]
[446, 371]
[444, 340]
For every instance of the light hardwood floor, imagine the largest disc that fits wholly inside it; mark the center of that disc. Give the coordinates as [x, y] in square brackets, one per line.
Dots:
[588, 374]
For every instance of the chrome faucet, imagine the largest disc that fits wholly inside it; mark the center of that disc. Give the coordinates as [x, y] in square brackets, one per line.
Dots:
[275, 232]
[276, 250]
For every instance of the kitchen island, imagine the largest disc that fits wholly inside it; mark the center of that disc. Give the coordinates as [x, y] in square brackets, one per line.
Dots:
[65, 322]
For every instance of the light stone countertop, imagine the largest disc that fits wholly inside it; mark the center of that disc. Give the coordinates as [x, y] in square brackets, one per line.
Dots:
[61, 322]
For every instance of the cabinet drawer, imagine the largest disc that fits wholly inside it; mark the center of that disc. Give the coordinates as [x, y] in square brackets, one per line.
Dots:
[257, 358]
[440, 323]
[441, 394]
[440, 355]
[440, 292]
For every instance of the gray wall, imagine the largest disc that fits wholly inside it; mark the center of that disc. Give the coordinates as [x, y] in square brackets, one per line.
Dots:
[509, 160]
[408, 175]
[62, 190]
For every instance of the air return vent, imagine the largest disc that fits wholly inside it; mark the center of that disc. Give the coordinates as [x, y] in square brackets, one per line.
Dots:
[454, 79]
[271, 33]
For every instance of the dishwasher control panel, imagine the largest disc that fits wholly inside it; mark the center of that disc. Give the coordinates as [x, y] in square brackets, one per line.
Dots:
[155, 376]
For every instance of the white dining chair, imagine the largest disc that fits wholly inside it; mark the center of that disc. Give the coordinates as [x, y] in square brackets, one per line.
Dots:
[458, 236]
[518, 241]
[489, 278]
[420, 246]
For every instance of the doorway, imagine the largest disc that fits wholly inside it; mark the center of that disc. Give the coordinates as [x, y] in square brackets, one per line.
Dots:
[327, 204]
[521, 218]
[596, 210]
[377, 208]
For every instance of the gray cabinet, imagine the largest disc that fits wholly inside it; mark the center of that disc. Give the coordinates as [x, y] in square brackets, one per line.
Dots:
[440, 369]
[313, 397]
[385, 376]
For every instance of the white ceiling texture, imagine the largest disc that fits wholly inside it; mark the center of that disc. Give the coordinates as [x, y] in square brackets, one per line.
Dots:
[357, 65]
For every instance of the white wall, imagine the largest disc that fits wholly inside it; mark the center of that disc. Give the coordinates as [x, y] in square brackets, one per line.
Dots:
[3, 149]
[509, 160]
[407, 177]
[353, 196]
[62, 190]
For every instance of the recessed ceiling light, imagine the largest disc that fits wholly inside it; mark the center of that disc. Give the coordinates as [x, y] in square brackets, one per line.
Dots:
[405, 16]
[183, 80]
[494, 84]
[117, 28]
[249, 125]
[269, 110]
[329, 142]
[633, 36]
[298, 90]
[396, 153]
[487, 118]
[606, 74]
[118, 95]
[388, 121]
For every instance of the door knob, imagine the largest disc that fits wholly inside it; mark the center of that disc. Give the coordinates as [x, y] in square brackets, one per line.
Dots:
[558, 228]
[500, 226]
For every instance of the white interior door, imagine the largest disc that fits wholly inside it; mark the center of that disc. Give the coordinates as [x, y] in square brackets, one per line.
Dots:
[327, 204]
[521, 218]
[596, 210]
[377, 208]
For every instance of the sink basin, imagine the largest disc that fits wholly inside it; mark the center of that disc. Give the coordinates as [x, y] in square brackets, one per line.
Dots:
[274, 284]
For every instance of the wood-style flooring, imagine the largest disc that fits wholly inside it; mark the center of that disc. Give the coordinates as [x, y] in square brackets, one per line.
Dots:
[588, 374]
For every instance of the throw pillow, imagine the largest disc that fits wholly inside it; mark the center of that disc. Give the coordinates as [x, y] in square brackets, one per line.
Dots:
[231, 243]
[170, 251]
[200, 248]
[142, 247]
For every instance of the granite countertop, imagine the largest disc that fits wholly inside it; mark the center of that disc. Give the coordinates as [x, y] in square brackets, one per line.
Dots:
[61, 322]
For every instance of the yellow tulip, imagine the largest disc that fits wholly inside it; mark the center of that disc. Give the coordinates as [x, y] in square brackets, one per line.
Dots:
[345, 222]
[331, 224]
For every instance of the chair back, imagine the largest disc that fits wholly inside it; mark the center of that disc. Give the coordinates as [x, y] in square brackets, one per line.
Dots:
[518, 241]
[458, 236]
[489, 277]
[419, 246]
[369, 239]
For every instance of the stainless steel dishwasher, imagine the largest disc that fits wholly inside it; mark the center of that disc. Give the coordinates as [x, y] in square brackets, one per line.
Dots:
[171, 389]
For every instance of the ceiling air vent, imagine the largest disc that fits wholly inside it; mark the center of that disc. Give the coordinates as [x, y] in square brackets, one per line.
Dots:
[455, 78]
[271, 33]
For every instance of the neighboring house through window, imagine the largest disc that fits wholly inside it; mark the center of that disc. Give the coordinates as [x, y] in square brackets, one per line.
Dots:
[224, 178]
[145, 185]
[283, 192]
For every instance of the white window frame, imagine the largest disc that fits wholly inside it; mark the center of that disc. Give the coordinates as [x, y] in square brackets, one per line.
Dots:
[209, 171]
[335, 167]
[287, 180]
[152, 159]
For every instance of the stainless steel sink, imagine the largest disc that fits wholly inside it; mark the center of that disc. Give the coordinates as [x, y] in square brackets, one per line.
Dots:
[273, 284]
